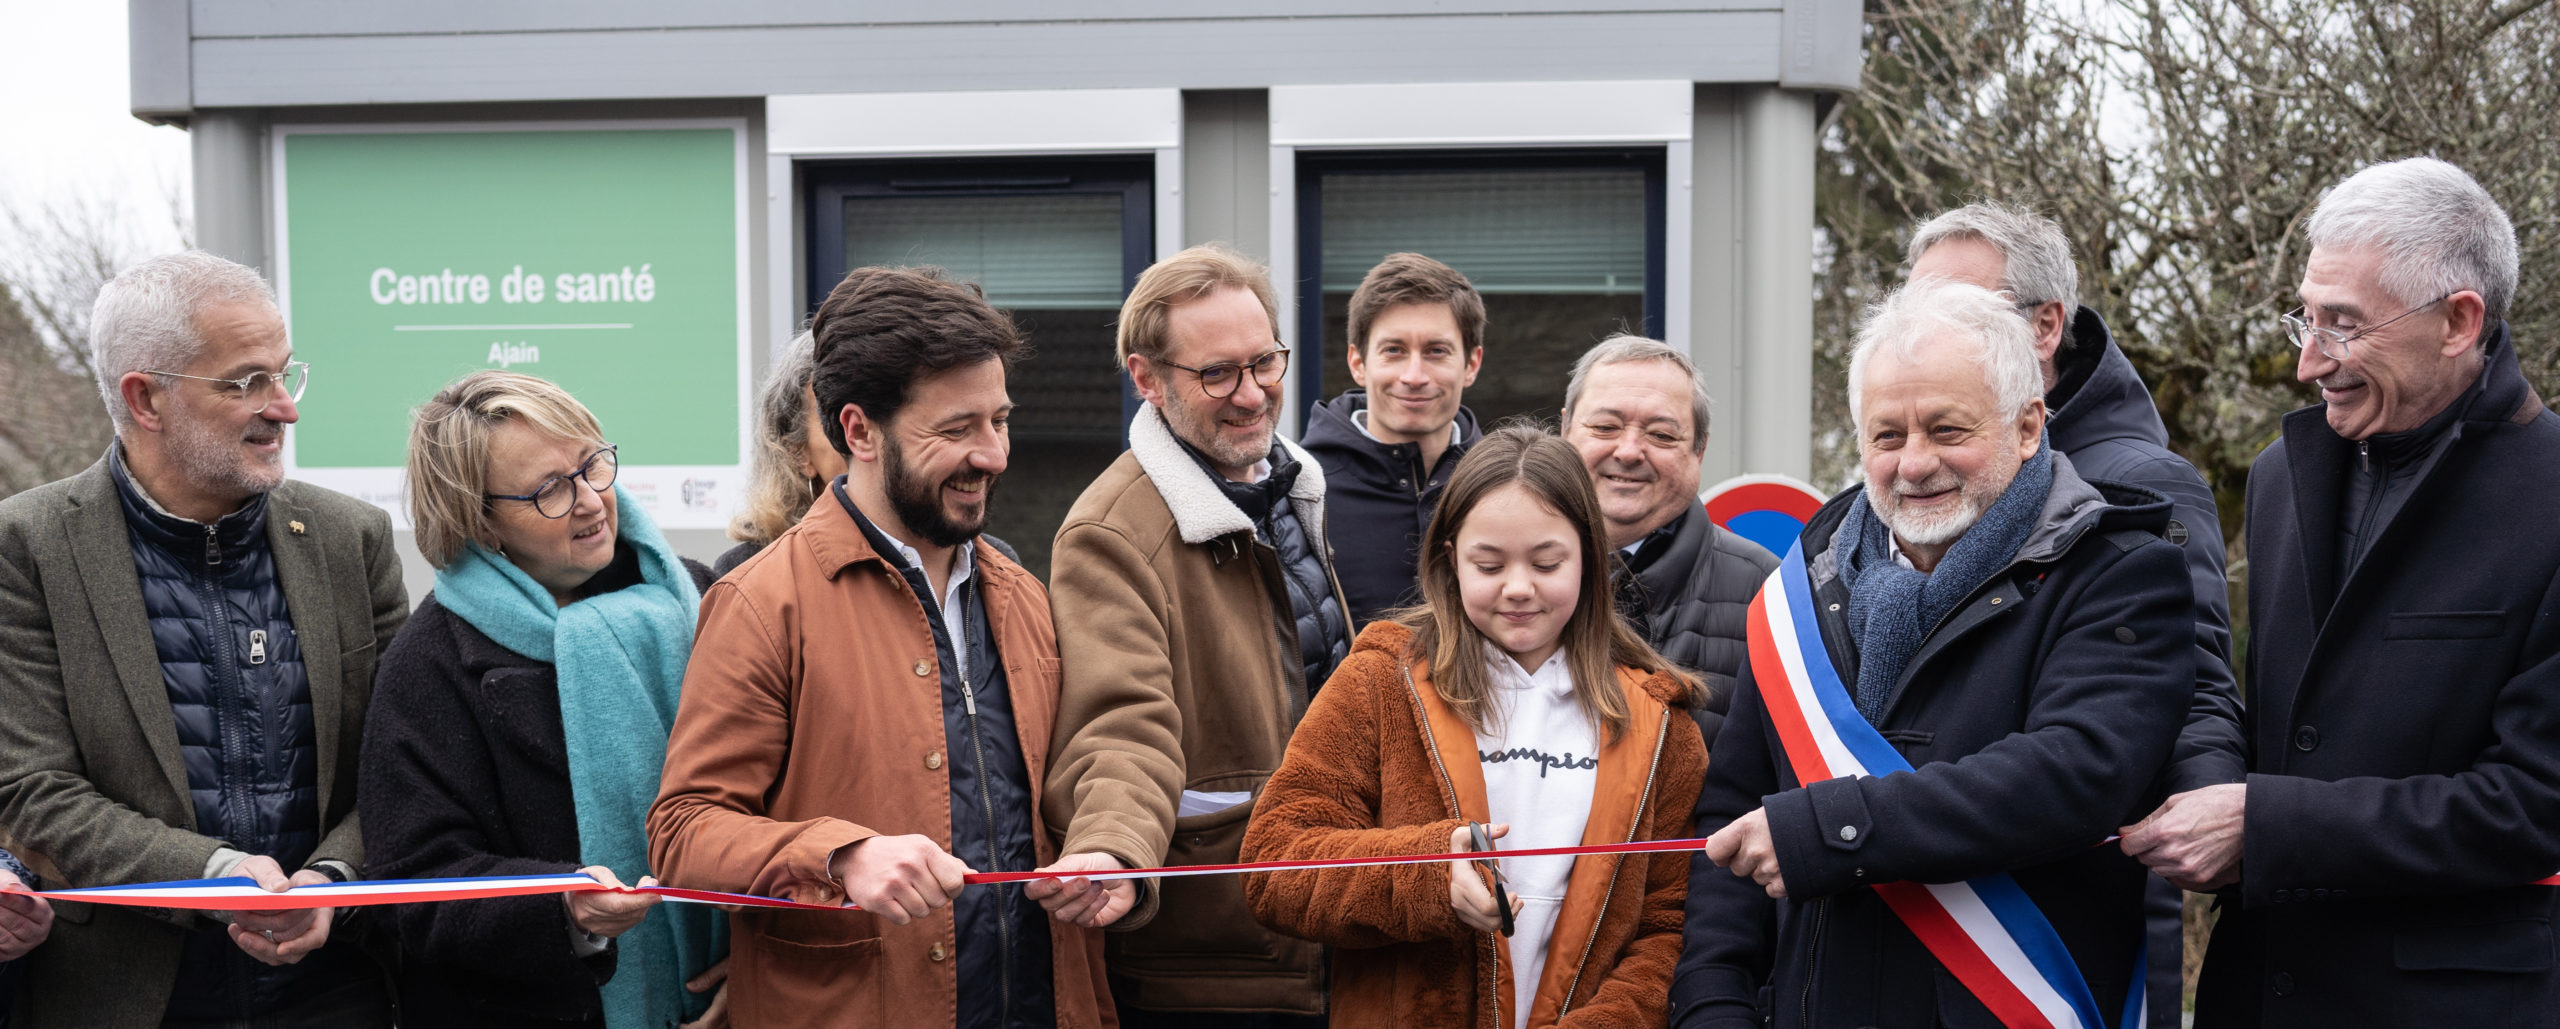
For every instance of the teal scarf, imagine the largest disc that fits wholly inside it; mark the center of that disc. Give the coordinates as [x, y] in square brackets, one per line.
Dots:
[618, 690]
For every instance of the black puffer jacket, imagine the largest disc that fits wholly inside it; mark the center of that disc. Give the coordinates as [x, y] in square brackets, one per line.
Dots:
[1689, 591]
[1323, 628]
[1379, 499]
[1004, 946]
[233, 668]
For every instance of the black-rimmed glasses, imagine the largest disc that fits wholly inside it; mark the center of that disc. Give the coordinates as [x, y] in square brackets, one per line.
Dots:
[1220, 380]
[558, 494]
[2333, 343]
[259, 386]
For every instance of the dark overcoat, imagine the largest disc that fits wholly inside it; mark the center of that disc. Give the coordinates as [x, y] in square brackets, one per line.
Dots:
[2404, 735]
[2035, 715]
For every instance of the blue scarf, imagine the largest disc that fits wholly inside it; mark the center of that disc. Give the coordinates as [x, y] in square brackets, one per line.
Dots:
[617, 704]
[1892, 609]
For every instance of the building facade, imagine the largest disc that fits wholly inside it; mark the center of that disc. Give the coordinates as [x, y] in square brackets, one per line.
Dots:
[642, 200]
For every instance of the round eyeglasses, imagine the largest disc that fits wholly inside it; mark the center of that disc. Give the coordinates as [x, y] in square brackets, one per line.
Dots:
[558, 494]
[1220, 380]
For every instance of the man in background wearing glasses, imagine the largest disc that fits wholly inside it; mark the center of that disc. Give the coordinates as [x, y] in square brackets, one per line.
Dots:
[1197, 612]
[2103, 419]
[187, 641]
[2398, 794]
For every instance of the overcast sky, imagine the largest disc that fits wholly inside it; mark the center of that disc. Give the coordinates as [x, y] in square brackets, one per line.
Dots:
[66, 134]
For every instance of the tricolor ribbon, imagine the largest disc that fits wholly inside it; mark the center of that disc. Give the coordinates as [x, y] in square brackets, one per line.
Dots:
[1986, 931]
[243, 894]
[239, 893]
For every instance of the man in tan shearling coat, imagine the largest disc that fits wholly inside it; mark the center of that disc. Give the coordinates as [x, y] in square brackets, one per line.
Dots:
[1197, 612]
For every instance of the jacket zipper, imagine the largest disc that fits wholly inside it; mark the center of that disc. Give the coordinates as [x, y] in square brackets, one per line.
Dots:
[986, 806]
[1660, 735]
[234, 738]
[1449, 792]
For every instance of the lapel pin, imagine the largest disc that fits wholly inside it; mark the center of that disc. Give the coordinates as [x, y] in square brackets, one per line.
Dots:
[295, 526]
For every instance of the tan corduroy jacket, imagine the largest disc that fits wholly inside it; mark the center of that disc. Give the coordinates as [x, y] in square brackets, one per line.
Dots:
[812, 718]
[1182, 674]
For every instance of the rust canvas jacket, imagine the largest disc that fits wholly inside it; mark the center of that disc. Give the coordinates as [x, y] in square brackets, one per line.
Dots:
[1382, 766]
[812, 718]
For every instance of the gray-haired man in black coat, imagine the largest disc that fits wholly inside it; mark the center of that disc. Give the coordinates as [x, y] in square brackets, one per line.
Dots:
[2103, 419]
[2402, 767]
[2018, 642]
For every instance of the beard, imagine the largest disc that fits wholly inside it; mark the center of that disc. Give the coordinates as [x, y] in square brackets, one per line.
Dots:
[917, 500]
[1937, 528]
[1201, 422]
[214, 459]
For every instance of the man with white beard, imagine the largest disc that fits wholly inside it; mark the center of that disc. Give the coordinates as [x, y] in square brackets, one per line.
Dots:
[1959, 674]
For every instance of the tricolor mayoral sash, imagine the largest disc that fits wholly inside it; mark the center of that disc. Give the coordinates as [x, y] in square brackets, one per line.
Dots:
[1985, 930]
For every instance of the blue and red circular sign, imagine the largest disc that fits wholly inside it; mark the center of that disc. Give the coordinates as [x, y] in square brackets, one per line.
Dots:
[1770, 510]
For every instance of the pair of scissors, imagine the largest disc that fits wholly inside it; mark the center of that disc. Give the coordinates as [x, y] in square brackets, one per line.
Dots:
[1492, 870]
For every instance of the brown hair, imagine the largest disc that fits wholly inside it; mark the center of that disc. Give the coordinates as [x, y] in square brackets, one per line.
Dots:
[1409, 278]
[1595, 640]
[1181, 279]
[449, 453]
[881, 329]
[777, 494]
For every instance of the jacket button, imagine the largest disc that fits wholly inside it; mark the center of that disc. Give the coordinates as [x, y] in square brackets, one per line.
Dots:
[2284, 981]
[1848, 833]
[2306, 739]
[933, 759]
[2124, 634]
[924, 668]
[937, 953]
[2319, 894]
[1995, 601]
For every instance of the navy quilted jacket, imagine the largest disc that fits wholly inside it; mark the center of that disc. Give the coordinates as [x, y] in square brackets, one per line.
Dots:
[233, 669]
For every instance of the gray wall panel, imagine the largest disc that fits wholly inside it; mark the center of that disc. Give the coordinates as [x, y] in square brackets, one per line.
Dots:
[1226, 169]
[1709, 47]
[156, 36]
[243, 18]
[1820, 46]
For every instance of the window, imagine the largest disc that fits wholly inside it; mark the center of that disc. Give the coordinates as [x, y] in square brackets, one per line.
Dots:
[1056, 243]
[1565, 246]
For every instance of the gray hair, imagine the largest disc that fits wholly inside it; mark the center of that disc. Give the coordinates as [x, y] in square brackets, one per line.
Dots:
[1916, 313]
[2437, 230]
[777, 495]
[145, 319]
[2038, 270]
[1625, 348]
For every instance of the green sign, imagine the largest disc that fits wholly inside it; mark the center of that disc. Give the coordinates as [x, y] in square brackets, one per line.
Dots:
[604, 260]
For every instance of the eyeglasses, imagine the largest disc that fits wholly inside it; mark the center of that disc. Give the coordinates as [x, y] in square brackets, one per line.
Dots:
[2333, 343]
[558, 494]
[1220, 380]
[260, 386]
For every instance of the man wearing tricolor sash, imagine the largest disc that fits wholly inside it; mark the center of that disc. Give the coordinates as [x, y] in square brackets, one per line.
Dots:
[2384, 841]
[1960, 678]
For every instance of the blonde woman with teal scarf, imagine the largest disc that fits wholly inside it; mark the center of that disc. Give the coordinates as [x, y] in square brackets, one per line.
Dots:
[519, 720]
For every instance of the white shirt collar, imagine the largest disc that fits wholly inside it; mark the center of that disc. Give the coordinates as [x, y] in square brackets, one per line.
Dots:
[962, 566]
[1899, 557]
